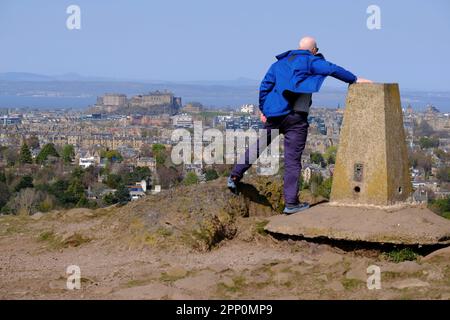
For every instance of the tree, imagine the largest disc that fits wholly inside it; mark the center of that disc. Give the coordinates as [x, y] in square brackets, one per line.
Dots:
[77, 172]
[159, 153]
[90, 175]
[330, 155]
[33, 142]
[25, 154]
[146, 150]
[47, 150]
[24, 182]
[4, 194]
[68, 153]
[113, 180]
[443, 174]
[138, 174]
[315, 181]
[112, 156]
[441, 154]
[211, 174]
[427, 143]
[74, 192]
[325, 188]
[317, 158]
[25, 202]
[58, 188]
[11, 155]
[168, 177]
[421, 160]
[190, 178]
[441, 206]
[122, 194]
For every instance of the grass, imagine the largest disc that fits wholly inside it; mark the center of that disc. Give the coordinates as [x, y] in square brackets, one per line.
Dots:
[57, 242]
[446, 215]
[46, 236]
[170, 278]
[12, 225]
[137, 282]
[239, 283]
[260, 225]
[75, 240]
[350, 284]
[400, 255]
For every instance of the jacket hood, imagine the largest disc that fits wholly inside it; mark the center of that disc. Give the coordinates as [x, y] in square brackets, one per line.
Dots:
[293, 52]
[298, 52]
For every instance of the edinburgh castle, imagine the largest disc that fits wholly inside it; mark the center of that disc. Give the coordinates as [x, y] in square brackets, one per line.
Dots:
[153, 103]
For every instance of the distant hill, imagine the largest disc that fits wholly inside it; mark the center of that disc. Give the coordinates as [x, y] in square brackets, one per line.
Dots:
[34, 77]
[23, 76]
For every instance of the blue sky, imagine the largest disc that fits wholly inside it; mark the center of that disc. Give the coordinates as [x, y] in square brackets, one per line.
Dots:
[184, 40]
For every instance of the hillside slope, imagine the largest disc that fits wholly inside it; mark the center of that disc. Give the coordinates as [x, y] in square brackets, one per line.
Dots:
[197, 242]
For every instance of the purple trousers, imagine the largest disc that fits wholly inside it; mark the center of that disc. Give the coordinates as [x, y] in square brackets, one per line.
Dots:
[294, 127]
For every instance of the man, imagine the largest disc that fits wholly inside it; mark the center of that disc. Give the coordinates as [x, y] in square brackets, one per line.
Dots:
[284, 100]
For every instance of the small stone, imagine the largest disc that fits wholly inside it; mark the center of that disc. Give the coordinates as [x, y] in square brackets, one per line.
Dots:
[37, 216]
[176, 272]
[280, 267]
[282, 278]
[323, 277]
[227, 281]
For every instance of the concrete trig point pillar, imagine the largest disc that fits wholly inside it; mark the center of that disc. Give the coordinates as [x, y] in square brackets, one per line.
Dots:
[372, 161]
[371, 181]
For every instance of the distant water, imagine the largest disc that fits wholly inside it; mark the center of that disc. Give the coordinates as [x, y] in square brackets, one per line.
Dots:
[325, 98]
[45, 102]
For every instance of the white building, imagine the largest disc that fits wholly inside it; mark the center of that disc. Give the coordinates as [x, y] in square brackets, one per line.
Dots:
[138, 190]
[86, 162]
[182, 121]
[248, 108]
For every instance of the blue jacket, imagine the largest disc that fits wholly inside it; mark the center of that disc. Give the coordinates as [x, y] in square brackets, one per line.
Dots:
[296, 71]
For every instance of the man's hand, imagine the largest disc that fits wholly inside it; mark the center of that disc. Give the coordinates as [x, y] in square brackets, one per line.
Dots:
[263, 118]
[362, 80]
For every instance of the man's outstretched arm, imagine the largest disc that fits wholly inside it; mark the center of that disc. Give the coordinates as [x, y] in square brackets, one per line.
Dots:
[326, 68]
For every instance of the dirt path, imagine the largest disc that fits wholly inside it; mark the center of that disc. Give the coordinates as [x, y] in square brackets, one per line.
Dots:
[236, 269]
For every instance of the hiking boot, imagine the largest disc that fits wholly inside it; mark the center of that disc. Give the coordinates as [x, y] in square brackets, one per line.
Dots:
[232, 183]
[290, 209]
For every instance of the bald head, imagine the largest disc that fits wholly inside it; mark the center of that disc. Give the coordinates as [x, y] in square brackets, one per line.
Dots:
[307, 43]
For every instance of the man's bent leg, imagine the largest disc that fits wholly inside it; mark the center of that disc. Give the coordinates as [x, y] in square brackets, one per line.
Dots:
[251, 154]
[295, 130]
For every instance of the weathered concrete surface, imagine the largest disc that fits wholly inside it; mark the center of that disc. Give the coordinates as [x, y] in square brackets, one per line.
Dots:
[408, 226]
[371, 162]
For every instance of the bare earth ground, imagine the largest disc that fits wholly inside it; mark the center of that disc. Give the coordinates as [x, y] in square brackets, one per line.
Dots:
[196, 243]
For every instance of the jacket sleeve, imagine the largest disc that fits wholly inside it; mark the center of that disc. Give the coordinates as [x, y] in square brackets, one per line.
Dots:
[323, 67]
[266, 87]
